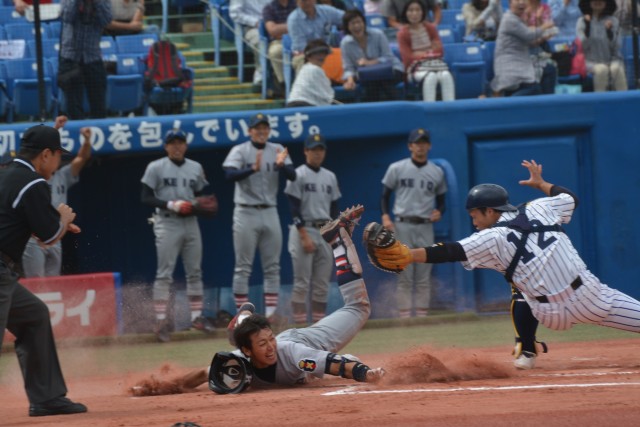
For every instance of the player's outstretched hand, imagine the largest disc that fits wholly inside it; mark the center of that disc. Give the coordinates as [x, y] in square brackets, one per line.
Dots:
[60, 122]
[281, 156]
[535, 174]
[375, 375]
[72, 228]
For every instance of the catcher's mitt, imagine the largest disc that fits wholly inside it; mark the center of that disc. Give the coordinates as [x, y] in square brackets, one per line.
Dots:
[205, 206]
[384, 250]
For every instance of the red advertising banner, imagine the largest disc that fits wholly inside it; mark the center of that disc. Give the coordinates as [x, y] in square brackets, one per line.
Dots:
[84, 305]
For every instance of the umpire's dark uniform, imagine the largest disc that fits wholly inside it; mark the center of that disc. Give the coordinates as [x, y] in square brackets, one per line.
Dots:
[25, 209]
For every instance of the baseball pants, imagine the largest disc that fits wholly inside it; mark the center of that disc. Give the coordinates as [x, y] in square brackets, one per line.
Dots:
[27, 317]
[414, 236]
[310, 270]
[592, 303]
[335, 331]
[41, 262]
[256, 229]
[177, 236]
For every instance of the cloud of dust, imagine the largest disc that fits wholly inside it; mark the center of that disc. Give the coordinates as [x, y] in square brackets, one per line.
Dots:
[424, 365]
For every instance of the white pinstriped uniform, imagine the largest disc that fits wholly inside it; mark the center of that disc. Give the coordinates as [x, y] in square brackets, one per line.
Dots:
[554, 265]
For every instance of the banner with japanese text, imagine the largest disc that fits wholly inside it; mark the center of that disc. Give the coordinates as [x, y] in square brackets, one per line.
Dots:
[84, 305]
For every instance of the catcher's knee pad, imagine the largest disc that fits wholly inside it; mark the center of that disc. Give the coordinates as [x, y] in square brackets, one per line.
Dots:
[229, 373]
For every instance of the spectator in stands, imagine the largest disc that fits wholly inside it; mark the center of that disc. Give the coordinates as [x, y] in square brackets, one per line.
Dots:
[536, 14]
[365, 48]
[565, 14]
[393, 10]
[482, 18]
[22, 5]
[599, 32]
[312, 87]
[127, 17]
[623, 13]
[307, 22]
[373, 7]
[248, 13]
[421, 52]
[275, 16]
[81, 68]
[515, 74]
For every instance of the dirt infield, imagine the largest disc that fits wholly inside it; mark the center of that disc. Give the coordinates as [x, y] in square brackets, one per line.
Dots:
[586, 384]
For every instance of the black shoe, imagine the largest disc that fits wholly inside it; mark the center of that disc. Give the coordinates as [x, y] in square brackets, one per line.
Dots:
[203, 324]
[162, 331]
[57, 406]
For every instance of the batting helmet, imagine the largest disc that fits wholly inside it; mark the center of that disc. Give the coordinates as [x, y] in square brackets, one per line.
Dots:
[489, 196]
[229, 373]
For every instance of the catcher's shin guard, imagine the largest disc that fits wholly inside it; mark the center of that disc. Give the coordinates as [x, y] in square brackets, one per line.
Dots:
[525, 326]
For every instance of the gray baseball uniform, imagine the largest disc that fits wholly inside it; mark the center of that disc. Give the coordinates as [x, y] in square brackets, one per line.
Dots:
[255, 217]
[416, 188]
[552, 277]
[302, 353]
[316, 190]
[43, 262]
[175, 234]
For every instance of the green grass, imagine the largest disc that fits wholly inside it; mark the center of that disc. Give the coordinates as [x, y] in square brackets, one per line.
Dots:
[453, 330]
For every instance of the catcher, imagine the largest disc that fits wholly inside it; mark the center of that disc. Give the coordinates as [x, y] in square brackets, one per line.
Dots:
[527, 245]
[294, 356]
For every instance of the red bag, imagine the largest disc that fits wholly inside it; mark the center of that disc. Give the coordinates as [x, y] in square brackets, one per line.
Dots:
[578, 63]
[165, 67]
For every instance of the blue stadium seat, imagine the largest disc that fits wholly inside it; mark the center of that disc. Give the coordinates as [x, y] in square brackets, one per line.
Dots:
[488, 52]
[456, 4]
[108, 46]
[376, 20]
[50, 48]
[22, 31]
[125, 93]
[22, 88]
[454, 18]
[467, 67]
[8, 15]
[447, 34]
[286, 63]
[627, 55]
[53, 29]
[239, 43]
[263, 46]
[137, 43]
[220, 24]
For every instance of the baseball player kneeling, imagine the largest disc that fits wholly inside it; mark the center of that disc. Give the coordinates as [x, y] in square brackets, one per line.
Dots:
[297, 355]
[527, 245]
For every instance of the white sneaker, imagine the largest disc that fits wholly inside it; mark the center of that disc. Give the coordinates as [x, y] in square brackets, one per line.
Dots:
[525, 361]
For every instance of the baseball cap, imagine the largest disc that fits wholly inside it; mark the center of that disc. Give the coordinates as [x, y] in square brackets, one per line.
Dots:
[313, 141]
[418, 134]
[256, 119]
[175, 134]
[41, 137]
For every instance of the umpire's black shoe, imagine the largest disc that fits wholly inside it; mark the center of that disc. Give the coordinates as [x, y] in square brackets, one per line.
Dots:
[57, 406]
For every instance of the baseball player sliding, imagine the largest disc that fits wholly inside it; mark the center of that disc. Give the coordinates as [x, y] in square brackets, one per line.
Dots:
[529, 247]
[296, 355]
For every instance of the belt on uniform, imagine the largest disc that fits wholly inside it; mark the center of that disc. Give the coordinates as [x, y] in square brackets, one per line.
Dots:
[170, 215]
[413, 219]
[255, 206]
[316, 224]
[574, 285]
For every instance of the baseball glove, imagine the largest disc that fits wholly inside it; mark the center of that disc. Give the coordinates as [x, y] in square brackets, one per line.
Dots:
[205, 206]
[384, 250]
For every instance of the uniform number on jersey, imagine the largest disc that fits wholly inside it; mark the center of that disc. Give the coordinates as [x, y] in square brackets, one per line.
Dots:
[542, 243]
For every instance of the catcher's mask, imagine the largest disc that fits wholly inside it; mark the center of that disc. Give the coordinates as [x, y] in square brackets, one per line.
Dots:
[229, 373]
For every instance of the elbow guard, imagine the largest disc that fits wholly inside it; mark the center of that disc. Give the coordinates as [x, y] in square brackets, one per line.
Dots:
[445, 252]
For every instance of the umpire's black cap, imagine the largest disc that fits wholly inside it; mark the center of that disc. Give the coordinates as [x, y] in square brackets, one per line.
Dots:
[41, 137]
[314, 141]
[419, 134]
[256, 119]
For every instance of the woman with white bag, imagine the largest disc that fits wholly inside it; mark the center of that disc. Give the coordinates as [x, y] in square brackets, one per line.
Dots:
[421, 52]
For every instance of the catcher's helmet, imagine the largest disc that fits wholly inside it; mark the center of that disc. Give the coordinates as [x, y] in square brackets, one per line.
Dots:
[229, 373]
[489, 196]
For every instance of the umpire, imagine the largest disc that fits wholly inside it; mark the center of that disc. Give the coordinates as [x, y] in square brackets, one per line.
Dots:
[25, 209]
